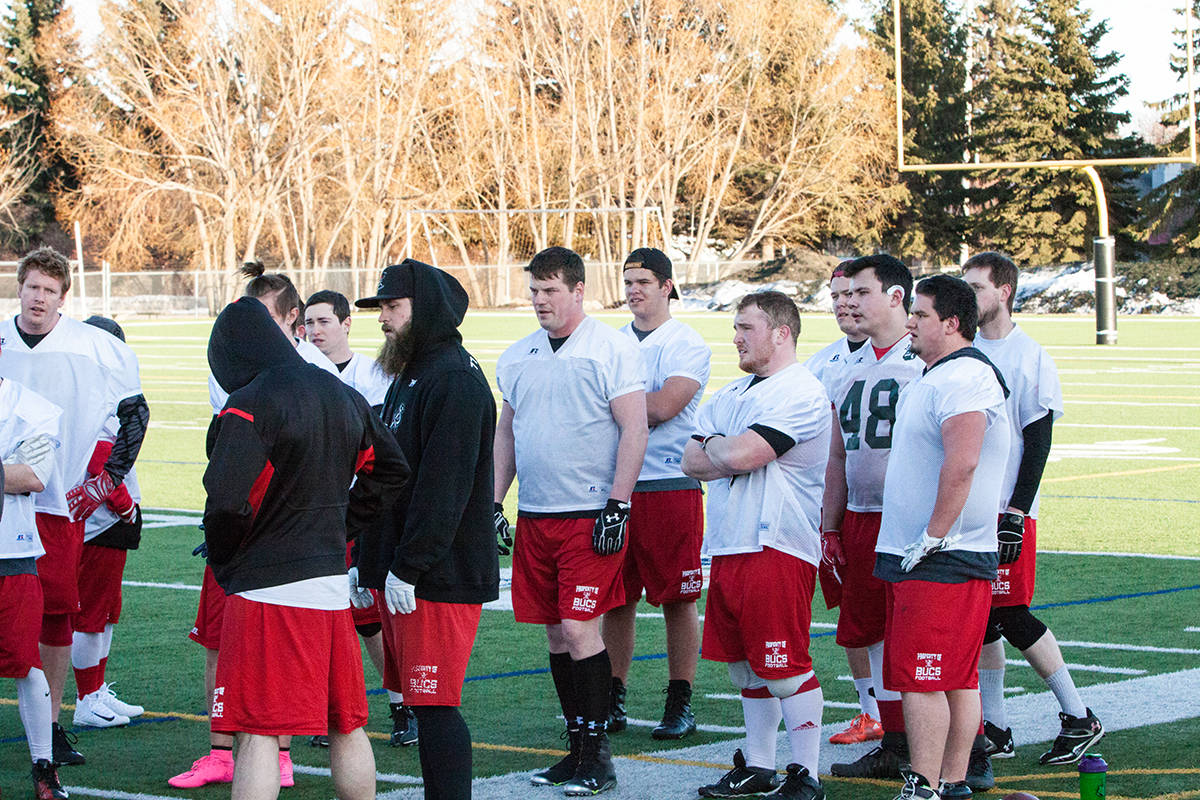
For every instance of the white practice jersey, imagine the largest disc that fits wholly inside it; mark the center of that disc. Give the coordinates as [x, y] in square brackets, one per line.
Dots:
[217, 397]
[777, 505]
[865, 403]
[367, 378]
[829, 364]
[565, 435]
[23, 415]
[86, 372]
[103, 517]
[1034, 390]
[955, 387]
[672, 349]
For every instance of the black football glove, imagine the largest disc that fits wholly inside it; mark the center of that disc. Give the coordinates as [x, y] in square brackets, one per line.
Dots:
[202, 548]
[1010, 533]
[608, 535]
[504, 540]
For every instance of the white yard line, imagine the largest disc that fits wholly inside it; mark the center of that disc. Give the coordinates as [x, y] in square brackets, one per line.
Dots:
[112, 794]
[1130, 648]
[1020, 662]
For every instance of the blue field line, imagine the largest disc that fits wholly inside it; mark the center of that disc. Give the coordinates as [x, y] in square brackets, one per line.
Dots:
[1111, 598]
[1132, 499]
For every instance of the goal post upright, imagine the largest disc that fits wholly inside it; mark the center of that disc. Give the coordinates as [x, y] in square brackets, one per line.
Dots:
[1103, 243]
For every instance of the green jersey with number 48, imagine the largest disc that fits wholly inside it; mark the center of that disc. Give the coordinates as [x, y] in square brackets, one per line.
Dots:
[866, 408]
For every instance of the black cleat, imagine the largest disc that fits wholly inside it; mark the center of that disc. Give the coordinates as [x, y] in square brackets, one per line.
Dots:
[1000, 742]
[741, 780]
[954, 791]
[595, 773]
[1076, 736]
[678, 720]
[979, 767]
[916, 788]
[617, 719]
[798, 784]
[46, 785]
[65, 754]
[319, 741]
[404, 726]
[884, 762]
[564, 770]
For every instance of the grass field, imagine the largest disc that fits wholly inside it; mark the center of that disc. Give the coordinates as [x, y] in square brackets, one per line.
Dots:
[1122, 481]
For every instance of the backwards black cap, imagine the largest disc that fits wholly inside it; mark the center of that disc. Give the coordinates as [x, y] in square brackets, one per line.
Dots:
[656, 261]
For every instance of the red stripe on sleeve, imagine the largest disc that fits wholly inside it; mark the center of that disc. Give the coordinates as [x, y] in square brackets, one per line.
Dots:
[366, 460]
[246, 415]
[260, 485]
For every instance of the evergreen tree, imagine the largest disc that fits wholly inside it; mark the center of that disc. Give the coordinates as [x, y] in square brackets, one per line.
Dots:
[30, 81]
[1045, 90]
[1169, 217]
[934, 74]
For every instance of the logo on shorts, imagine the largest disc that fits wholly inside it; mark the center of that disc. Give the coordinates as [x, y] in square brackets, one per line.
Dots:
[693, 581]
[218, 705]
[776, 656]
[423, 679]
[1001, 585]
[929, 667]
[585, 599]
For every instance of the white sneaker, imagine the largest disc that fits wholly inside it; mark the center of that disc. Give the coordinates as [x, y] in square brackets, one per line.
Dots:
[91, 711]
[118, 705]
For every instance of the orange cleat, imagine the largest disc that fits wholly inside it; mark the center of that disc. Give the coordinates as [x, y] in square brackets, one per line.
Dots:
[863, 728]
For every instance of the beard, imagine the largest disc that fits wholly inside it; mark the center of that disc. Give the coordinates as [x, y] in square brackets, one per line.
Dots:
[396, 352]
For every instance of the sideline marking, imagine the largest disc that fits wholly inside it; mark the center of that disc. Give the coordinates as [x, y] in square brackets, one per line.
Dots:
[1020, 662]
[383, 777]
[1133, 648]
[1065, 478]
[1123, 499]
[112, 794]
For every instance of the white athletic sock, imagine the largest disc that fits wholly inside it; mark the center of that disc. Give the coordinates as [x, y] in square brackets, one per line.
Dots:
[762, 726]
[1064, 691]
[33, 705]
[875, 654]
[866, 700]
[802, 713]
[106, 641]
[395, 697]
[991, 693]
[86, 649]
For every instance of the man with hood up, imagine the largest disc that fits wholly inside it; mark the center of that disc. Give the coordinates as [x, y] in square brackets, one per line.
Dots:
[286, 445]
[434, 557]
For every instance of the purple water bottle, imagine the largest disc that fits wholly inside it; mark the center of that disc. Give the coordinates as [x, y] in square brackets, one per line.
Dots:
[1093, 772]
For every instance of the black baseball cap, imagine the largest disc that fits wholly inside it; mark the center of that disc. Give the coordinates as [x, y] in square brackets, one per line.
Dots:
[395, 282]
[656, 261]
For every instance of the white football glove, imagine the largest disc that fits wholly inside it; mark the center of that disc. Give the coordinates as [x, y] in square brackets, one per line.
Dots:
[359, 597]
[401, 597]
[926, 546]
[37, 453]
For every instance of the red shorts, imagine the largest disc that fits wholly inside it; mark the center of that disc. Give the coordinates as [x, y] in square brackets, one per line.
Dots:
[207, 630]
[864, 597]
[934, 634]
[21, 610]
[58, 569]
[662, 554]
[557, 575]
[425, 653]
[759, 609]
[286, 670]
[1014, 582]
[100, 573]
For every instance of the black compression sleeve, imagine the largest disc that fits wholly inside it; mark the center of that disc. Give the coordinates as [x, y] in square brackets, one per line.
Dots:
[133, 414]
[780, 442]
[1037, 435]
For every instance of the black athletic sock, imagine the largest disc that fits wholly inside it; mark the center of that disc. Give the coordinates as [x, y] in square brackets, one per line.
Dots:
[593, 683]
[563, 672]
[445, 752]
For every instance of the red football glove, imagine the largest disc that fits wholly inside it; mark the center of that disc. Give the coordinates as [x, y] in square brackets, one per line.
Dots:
[121, 504]
[87, 496]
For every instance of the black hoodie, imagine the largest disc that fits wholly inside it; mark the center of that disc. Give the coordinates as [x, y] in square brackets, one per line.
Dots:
[440, 535]
[284, 452]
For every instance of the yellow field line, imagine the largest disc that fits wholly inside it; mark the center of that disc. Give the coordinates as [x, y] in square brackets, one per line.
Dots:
[1119, 474]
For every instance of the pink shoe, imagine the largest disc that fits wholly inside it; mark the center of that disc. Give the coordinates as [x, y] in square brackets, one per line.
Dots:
[285, 769]
[206, 770]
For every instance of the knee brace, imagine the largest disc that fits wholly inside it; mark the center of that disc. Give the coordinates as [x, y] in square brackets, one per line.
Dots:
[785, 687]
[743, 677]
[992, 633]
[1021, 628]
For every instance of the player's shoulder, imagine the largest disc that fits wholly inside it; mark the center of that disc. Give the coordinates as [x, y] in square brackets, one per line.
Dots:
[532, 345]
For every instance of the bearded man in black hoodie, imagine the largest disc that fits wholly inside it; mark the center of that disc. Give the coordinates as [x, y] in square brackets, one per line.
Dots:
[288, 442]
[434, 556]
